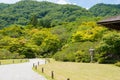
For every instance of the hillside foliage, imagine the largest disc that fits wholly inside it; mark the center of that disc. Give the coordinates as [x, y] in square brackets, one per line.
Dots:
[105, 10]
[45, 14]
[32, 29]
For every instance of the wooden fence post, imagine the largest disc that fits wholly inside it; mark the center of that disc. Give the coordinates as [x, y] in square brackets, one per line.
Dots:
[52, 74]
[42, 70]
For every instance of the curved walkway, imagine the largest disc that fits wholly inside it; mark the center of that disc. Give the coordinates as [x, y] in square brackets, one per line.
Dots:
[22, 71]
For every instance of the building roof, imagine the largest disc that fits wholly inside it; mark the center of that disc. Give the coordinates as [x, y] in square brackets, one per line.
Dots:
[113, 19]
[112, 22]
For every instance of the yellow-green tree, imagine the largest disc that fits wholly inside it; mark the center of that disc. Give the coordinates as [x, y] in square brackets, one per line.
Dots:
[89, 31]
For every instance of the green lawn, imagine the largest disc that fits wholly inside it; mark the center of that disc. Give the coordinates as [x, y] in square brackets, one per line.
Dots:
[12, 61]
[80, 71]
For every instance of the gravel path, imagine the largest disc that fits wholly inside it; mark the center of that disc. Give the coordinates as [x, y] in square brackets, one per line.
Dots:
[22, 71]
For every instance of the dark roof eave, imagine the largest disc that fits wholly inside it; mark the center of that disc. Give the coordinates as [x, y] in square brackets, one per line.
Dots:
[108, 22]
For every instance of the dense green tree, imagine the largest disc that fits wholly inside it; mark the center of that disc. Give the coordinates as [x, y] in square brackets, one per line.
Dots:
[50, 44]
[38, 37]
[109, 48]
[13, 31]
[34, 20]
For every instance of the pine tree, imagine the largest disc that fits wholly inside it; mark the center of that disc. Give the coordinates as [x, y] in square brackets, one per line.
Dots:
[34, 20]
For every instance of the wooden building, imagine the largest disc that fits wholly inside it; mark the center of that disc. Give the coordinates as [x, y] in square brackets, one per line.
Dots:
[112, 22]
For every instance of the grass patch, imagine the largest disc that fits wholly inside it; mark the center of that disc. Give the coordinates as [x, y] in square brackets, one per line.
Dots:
[80, 71]
[45, 75]
[13, 61]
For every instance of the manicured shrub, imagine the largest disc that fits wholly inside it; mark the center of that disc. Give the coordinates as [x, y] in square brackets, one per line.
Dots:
[78, 51]
[64, 57]
[79, 56]
[86, 58]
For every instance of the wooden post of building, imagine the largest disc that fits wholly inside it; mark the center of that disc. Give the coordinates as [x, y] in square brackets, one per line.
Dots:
[52, 74]
[42, 70]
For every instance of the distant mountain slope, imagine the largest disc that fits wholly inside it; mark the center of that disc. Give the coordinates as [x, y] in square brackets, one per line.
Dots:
[3, 6]
[48, 14]
[105, 9]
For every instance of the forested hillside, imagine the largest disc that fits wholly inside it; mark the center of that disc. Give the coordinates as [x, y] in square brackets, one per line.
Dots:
[105, 9]
[46, 14]
[32, 29]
